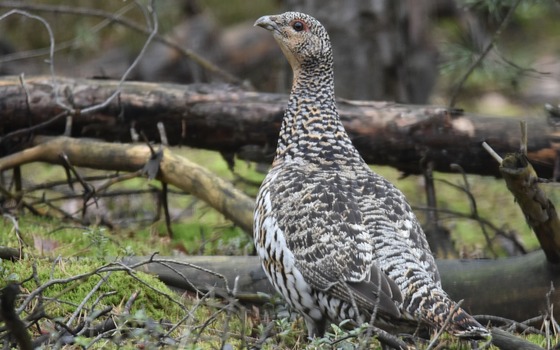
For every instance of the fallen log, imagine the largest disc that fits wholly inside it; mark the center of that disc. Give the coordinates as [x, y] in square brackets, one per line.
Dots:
[513, 288]
[170, 168]
[233, 121]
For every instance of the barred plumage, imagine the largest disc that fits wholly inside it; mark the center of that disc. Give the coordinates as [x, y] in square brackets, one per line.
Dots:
[337, 240]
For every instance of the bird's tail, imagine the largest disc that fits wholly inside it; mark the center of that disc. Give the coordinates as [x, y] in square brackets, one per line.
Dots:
[442, 312]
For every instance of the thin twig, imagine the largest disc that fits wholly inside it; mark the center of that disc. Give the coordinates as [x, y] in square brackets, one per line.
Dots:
[105, 268]
[85, 327]
[524, 137]
[162, 134]
[27, 99]
[35, 127]
[51, 40]
[61, 45]
[481, 220]
[480, 58]
[133, 274]
[165, 204]
[21, 243]
[78, 310]
[169, 264]
[82, 11]
[493, 153]
[512, 325]
[208, 321]
[473, 205]
[153, 32]
[185, 337]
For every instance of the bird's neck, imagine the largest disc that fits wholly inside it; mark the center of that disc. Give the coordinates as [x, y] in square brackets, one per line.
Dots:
[311, 129]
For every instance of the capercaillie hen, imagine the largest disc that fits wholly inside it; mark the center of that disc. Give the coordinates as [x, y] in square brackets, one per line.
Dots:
[337, 240]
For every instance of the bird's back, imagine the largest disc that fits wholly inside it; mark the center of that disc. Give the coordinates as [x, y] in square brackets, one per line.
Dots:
[340, 221]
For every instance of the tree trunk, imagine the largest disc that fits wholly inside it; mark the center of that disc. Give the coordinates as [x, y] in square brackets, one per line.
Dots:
[230, 120]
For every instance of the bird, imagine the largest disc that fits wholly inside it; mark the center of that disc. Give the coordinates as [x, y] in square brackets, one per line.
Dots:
[337, 240]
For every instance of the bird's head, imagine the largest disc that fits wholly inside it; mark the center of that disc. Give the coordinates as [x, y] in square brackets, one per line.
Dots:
[302, 38]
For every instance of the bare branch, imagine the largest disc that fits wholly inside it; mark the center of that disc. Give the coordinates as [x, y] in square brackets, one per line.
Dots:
[174, 170]
[480, 58]
[155, 26]
[117, 18]
[47, 27]
[493, 153]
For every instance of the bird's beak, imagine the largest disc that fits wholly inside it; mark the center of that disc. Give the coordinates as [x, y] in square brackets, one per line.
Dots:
[267, 23]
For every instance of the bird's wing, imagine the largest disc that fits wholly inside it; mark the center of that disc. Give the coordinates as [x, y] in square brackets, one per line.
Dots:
[395, 227]
[324, 228]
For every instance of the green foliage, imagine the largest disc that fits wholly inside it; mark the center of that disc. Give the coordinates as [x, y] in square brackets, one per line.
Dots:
[48, 237]
[198, 238]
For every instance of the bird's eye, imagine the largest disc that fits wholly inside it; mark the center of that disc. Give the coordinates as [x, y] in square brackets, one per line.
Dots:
[298, 26]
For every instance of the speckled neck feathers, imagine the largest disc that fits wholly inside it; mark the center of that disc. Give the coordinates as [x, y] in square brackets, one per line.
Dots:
[311, 130]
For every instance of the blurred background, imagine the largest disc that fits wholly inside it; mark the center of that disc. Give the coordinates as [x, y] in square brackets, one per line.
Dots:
[493, 57]
[405, 51]
[485, 56]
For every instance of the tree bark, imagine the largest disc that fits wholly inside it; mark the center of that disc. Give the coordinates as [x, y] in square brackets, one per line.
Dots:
[540, 213]
[233, 121]
[505, 341]
[513, 288]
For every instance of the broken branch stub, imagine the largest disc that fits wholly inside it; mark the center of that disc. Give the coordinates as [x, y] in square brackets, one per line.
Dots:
[523, 182]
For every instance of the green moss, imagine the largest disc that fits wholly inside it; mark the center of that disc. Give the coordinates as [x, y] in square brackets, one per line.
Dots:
[49, 237]
[199, 239]
[65, 292]
[545, 342]
[200, 323]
